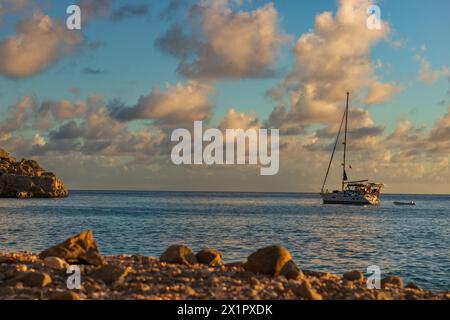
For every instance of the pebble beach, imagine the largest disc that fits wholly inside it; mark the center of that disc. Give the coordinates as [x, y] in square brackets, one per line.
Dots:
[268, 274]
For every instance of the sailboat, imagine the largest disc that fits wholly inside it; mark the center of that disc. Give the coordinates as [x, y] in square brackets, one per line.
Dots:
[361, 192]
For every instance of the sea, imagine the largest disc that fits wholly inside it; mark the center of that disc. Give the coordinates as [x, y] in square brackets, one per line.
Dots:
[409, 241]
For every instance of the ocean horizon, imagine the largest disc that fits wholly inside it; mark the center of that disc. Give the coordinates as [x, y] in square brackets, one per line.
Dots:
[411, 242]
[238, 191]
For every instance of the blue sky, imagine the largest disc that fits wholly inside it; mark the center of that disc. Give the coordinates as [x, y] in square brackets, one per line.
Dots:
[129, 64]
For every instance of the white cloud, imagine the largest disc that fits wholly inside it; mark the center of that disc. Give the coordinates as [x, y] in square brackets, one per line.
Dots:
[329, 61]
[225, 43]
[180, 104]
[381, 92]
[429, 75]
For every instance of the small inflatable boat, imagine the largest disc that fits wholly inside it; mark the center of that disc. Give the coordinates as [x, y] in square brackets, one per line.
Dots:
[404, 203]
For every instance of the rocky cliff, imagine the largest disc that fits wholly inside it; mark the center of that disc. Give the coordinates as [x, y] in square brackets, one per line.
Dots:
[26, 179]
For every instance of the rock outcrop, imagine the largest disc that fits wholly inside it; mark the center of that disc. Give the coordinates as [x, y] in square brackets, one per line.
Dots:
[26, 179]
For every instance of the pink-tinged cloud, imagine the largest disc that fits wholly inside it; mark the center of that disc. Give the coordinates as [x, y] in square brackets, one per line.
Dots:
[429, 75]
[225, 43]
[331, 60]
[39, 42]
[381, 92]
[179, 105]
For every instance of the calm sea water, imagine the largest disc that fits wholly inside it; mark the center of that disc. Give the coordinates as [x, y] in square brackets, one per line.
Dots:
[412, 242]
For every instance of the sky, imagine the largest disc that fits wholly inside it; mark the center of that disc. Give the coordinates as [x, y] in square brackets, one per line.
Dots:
[97, 106]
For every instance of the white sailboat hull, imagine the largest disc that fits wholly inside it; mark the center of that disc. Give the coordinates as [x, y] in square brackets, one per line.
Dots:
[349, 198]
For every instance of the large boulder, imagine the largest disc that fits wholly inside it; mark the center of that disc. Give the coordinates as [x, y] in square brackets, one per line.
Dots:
[26, 179]
[269, 260]
[179, 254]
[79, 249]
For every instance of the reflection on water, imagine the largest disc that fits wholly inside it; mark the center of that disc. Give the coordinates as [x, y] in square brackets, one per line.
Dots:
[411, 242]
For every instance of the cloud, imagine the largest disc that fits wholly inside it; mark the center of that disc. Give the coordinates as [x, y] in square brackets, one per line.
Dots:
[69, 130]
[18, 115]
[39, 42]
[99, 125]
[74, 90]
[94, 8]
[428, 75]
[129, 10]
[92, 71]
[179, 104]
[172, 7]
[12, 6]
[38, 140]
[94, 45]
[381, 92]
[64, 109]
[331, 60]
[225, 44]
[239, 120]
[441, 130]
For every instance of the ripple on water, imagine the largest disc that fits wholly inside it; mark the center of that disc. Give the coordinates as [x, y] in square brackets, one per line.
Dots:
[411, 242]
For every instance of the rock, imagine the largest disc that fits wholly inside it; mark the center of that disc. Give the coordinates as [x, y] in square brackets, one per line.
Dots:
[8, 260]
[189, 291]
[412, 285]
[244, 275]
[110, 274]
[27, 179]
[354, 275]
[210, 257]
[392, 281]
[380, 295]
[55, 263]
[234, 265]
[269, 260]
[179, 254]
[6, 156]
[318, 274]
[79, 249]
[305, 291]
[65, 295]
[30, 279]
[291, 271]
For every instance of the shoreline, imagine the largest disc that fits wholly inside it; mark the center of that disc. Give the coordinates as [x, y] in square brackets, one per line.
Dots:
[28, 276]
[75, 270]
[246, 192]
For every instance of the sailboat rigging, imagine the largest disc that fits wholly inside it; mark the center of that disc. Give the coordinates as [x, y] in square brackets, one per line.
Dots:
[360, 192]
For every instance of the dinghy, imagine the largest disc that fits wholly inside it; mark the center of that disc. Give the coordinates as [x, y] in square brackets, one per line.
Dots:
[404, 203]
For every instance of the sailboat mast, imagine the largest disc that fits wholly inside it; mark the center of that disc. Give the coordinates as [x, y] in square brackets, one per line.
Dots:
[344, 175]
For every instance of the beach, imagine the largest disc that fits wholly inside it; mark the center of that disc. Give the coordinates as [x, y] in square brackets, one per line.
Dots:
[74, 269]
[141, 277]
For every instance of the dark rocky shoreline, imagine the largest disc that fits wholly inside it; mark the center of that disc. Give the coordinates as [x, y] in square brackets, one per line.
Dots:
[269, 273]
[27, 179]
